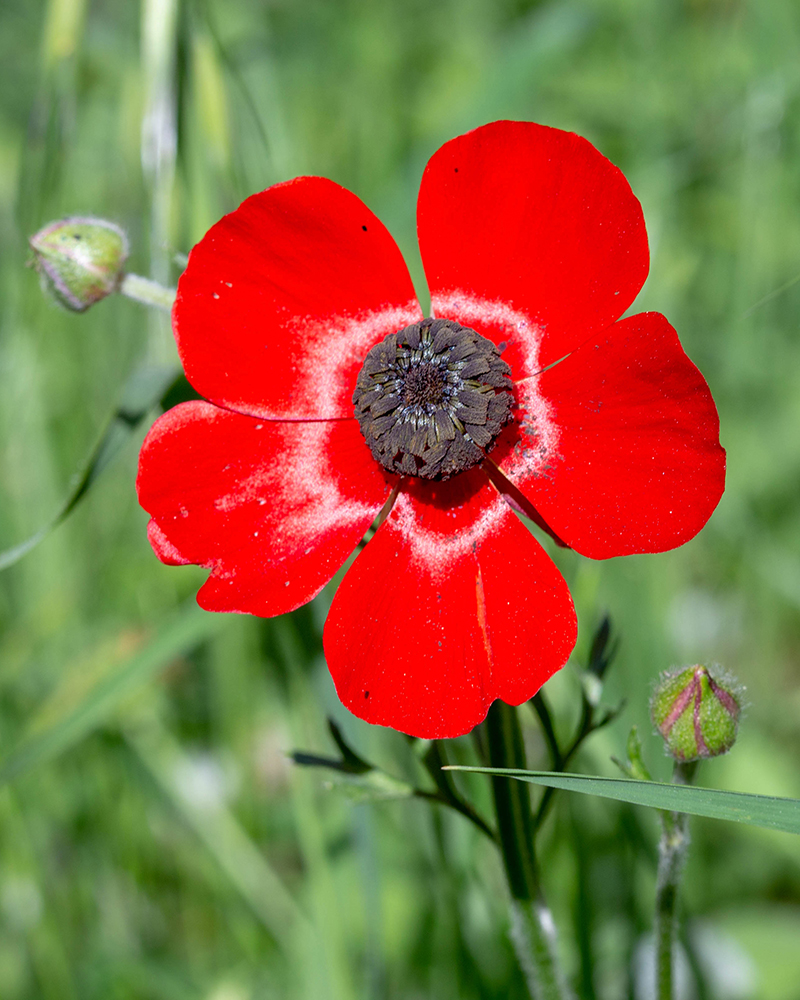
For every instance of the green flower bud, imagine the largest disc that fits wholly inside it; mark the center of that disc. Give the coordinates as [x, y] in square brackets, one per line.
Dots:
[80, 260]
[696, 709]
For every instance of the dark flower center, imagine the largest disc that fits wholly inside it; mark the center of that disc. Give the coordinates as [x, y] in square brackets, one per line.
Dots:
[431, 399]
[425, 384]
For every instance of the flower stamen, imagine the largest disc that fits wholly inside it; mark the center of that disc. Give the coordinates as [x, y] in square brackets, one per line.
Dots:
[432, 398]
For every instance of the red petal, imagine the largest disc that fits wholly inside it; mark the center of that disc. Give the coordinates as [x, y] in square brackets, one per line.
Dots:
[273, 508]
[530, 236]
[618, 446]
[452, 604]
[282, 299]
[163, 547]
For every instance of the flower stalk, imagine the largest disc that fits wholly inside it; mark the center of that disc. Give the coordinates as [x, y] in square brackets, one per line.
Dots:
[672, 850]
[532, 927]
[696, 710]
[149, 293]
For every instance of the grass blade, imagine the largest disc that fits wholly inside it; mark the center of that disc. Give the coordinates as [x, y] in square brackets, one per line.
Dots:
[72, 721]
[740, 807]
[224, 837]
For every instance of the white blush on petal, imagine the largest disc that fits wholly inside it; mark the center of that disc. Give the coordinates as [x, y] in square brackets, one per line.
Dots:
[301, 482]
[537, 448]
[334, 347]
[437, 550]
[507, 323]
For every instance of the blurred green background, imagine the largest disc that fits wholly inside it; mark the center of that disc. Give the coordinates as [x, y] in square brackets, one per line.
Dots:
[155, 842]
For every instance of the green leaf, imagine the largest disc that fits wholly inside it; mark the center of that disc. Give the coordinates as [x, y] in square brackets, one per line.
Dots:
[634, 767]
[741, 807]
[355, 764]
[64, 720]
[373, 786]
[359, 781]
[145, 388]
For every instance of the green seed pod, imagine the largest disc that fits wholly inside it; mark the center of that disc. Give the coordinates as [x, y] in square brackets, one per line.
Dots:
[696, 709]
[80, 260]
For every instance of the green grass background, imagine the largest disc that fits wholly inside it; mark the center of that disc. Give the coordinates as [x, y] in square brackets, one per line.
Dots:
[154, 841]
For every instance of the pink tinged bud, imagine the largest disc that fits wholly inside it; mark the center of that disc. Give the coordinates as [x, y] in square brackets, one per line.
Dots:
[696, 709]
[80, 260]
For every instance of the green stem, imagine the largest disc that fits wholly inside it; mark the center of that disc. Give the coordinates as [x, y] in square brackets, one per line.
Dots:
[542, 709]
[672, 850]
[532, 928]
[446, 794]
[150, 293]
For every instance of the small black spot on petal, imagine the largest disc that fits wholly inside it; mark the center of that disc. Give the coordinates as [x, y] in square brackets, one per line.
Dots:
[366, 694]
[364, 228]
[456, 169]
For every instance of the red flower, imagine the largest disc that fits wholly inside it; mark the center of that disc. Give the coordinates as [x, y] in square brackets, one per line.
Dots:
[533, 241]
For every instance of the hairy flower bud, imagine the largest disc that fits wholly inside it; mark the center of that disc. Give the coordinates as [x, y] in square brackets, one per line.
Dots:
[696, 709]
[80, 259]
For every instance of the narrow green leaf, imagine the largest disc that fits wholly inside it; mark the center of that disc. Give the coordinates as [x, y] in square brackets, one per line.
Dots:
[374, 786]
[741, 807]
[356, 764]
[144, 389]
[362, 785]
[71, 721]
[634, 767]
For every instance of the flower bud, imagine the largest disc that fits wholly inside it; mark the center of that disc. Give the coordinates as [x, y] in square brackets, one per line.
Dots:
[696, 709]
[80, 259]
